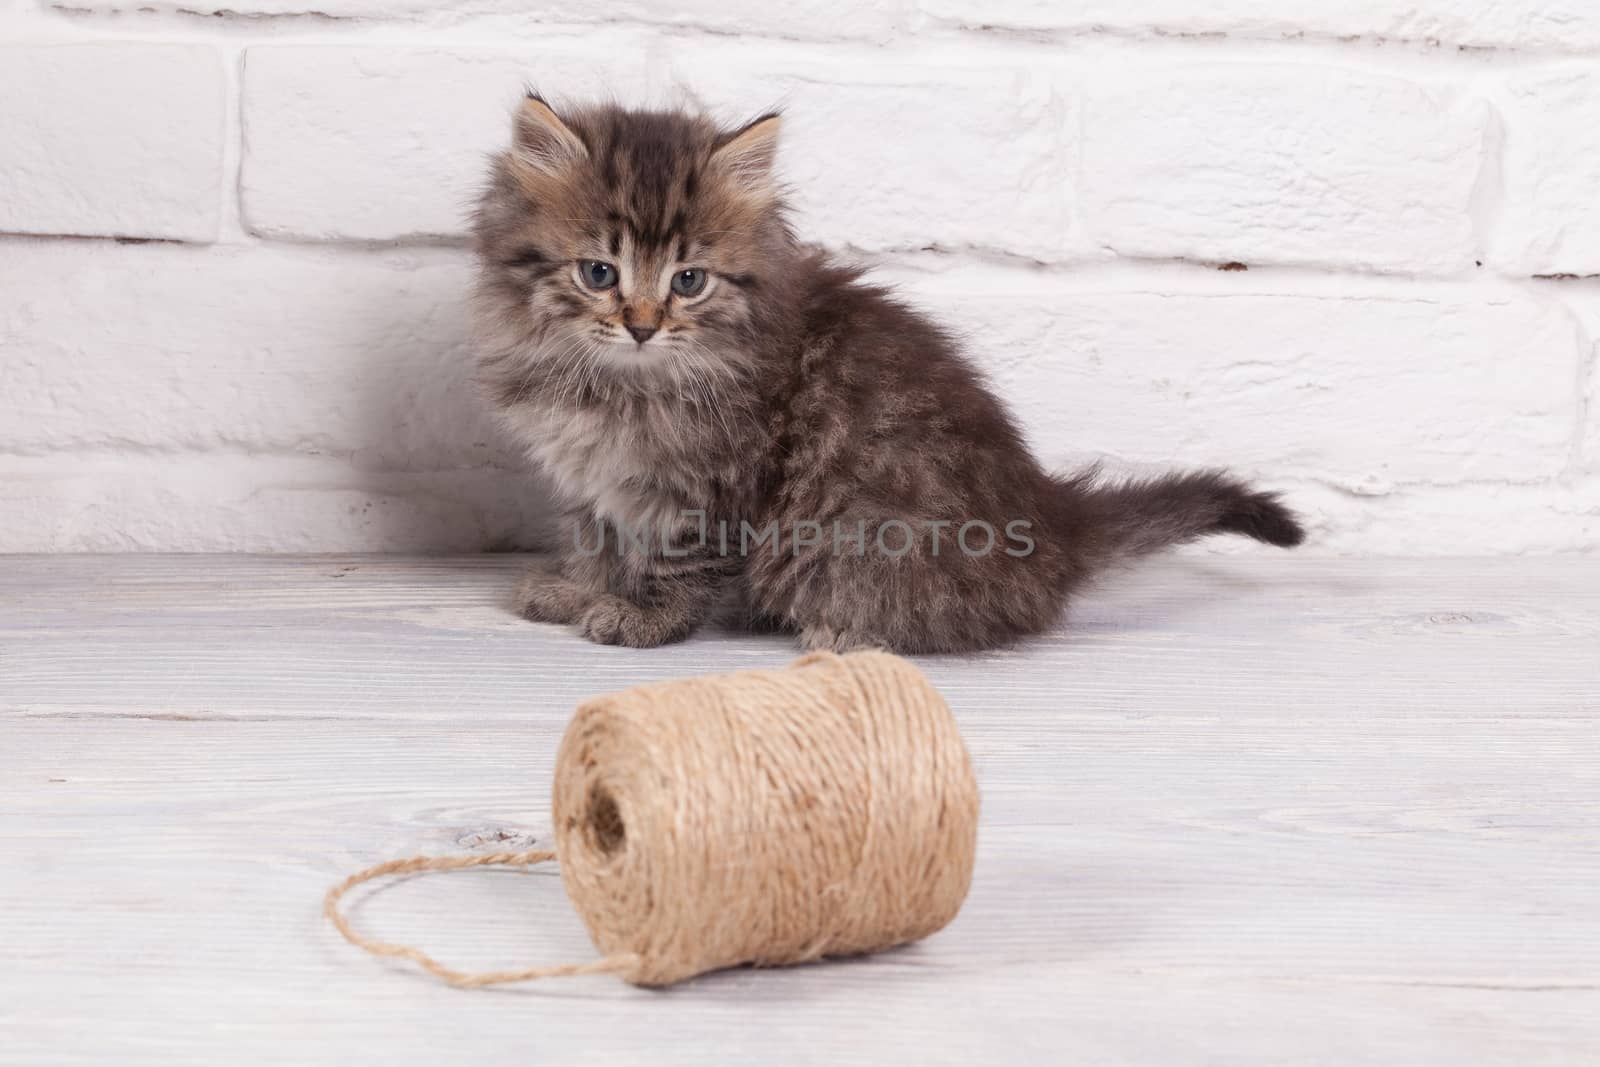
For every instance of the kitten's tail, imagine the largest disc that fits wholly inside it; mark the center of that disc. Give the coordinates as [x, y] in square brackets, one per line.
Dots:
[1142, 515]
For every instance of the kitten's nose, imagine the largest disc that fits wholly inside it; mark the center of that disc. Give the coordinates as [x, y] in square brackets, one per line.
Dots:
[642, 333]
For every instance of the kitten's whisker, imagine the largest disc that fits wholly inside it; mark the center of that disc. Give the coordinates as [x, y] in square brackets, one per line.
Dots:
[571, 365]
[697, 360]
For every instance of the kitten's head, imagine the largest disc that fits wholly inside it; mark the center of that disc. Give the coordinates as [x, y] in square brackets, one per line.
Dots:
[630, 241]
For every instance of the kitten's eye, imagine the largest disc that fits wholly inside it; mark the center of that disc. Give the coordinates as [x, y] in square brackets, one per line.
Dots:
[597, 275]
[689, 282]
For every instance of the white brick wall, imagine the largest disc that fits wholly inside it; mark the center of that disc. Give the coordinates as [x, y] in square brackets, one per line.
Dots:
[104, 139]
[1306, 163]
[232, 267]
[1551, 163]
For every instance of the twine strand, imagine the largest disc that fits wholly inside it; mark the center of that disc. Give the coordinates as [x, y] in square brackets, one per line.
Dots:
[460, 979]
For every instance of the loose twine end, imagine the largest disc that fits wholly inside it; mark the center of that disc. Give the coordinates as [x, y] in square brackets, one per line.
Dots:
[460, 979]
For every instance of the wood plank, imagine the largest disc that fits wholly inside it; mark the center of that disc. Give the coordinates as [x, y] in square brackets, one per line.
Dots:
[1244, 811]
[251, 637]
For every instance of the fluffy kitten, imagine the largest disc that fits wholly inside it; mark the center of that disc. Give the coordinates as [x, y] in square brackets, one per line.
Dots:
[681, 365]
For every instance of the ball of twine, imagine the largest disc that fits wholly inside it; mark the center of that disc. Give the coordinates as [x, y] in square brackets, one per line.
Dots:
[764, 817]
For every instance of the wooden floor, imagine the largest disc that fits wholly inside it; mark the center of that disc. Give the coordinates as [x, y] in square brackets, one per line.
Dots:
[1243, 811]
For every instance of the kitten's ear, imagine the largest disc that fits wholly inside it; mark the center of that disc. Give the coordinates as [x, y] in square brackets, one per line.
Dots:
[540, 140]
[747, 155]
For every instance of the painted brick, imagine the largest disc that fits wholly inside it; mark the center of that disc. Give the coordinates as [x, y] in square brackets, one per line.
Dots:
[1550, 222]
[121, 139]
[312, 351]
[390, 143]
[1307, 164]
[1582, 296]
[893, 155]
[1561, 25]
[1364, 390]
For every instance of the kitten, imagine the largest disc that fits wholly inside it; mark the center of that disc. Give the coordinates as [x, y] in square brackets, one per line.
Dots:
[729, 416]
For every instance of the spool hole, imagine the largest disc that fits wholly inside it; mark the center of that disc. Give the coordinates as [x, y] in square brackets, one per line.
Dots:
[604, 826]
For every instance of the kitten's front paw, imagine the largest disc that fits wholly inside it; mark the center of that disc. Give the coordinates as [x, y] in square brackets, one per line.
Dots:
[824, 638]
[611, 620]
[544, 595]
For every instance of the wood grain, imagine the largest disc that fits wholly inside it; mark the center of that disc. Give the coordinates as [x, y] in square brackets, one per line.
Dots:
[1243, 810]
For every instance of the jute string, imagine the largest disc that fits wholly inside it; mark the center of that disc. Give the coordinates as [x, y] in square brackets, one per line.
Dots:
[765, 817]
